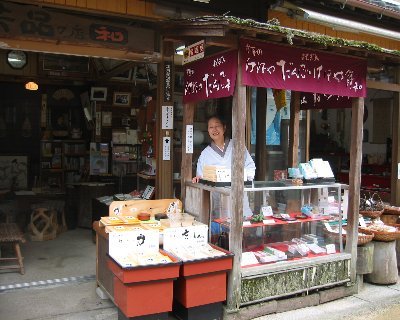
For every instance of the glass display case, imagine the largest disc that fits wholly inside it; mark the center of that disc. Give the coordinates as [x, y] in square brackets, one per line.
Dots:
[283, 222]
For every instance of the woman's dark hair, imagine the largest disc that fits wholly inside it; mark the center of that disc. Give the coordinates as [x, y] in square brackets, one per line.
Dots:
[218, 117]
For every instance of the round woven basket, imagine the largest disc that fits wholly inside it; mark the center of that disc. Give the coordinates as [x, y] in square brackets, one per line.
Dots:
[371, 214]
[391, 210]
[383, 236]
[362, 239]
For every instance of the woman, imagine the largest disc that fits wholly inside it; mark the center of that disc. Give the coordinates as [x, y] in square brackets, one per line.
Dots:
[219, 153]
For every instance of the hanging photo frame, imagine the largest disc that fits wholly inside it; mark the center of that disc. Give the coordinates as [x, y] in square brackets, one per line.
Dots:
[122, 99]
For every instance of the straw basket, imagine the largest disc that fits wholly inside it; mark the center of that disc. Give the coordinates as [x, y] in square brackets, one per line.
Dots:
[373, 214]
[371, 207]
[362, 239]
[382, 235]
[391, 210]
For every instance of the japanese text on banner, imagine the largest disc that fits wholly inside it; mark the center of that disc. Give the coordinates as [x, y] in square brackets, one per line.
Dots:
[282, 67]
[213, 77]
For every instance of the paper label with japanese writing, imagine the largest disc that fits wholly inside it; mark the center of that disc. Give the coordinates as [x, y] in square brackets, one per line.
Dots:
[185, 236]
[126, 243]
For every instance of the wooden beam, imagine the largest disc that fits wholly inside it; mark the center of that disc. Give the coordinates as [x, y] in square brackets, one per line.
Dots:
[236, 203]
[261, 129]
[227, 41]
[357, 113]
[294, 127]
[395, 182]
[87, 51]
[187, 158]
[371, 84]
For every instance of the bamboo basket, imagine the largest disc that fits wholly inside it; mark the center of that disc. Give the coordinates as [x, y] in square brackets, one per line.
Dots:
[381, 235]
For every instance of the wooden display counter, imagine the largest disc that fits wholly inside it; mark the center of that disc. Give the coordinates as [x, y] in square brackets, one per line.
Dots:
[104, 276]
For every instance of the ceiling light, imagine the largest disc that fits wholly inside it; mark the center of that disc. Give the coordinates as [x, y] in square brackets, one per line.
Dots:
[204, 1]
[31, 85]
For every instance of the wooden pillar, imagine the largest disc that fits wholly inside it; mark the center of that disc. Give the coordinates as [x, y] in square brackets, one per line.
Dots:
[261, 150]
[395, 183]
[187, 158]
[236, 209]
[308, 128]
[164, 182]
[357, 113]
[293, 152]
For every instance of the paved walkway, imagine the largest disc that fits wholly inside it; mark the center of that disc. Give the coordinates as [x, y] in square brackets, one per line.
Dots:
[77, 300]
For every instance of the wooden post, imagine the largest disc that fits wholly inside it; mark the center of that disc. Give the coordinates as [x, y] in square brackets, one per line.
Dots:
[236, 209]
[261, 154]
[357, 113]
[164, 182]
[187, 158]
[395, 183]
[293, 152]
[308, 128]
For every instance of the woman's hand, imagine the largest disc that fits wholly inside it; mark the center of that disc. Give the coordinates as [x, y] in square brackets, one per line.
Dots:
[196, 179]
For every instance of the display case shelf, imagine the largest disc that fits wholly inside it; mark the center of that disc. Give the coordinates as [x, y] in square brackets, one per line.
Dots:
[301, 252]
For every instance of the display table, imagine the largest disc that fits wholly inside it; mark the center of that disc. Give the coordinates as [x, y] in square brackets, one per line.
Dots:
[81, 195]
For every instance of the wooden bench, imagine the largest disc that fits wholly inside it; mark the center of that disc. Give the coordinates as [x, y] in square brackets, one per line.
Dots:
[10, 233]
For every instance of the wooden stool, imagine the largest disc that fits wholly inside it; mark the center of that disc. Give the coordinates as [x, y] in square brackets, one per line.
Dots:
[43, 225]
[10, 233]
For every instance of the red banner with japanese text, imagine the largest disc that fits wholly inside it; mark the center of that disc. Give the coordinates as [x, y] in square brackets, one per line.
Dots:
[275, 66]
[210, 78]
[310, 100]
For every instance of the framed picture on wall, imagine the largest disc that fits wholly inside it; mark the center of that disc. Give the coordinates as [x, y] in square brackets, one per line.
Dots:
[14, 169]
[98, 94]
[122, 99]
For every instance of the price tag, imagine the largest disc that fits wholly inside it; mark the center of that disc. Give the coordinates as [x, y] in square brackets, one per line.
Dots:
[246, 223]
[362, 222]
[268, 221]
[266, 211]
[330, 248]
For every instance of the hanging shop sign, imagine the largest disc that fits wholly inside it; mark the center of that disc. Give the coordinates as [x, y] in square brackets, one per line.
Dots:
[37, 23]
[310, 100]
[193, 52]
[210, 78]
[269, 65]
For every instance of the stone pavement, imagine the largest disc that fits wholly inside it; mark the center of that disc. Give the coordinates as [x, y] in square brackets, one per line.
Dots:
[77, 300]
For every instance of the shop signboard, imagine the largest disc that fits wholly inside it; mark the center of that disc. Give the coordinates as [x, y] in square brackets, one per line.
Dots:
[38, 23]
[193, 52]
[275, 66]
[210, 78]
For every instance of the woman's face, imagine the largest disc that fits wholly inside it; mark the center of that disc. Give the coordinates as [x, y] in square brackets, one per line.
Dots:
[216, 129]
